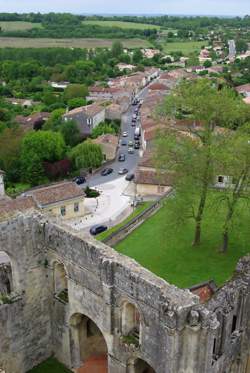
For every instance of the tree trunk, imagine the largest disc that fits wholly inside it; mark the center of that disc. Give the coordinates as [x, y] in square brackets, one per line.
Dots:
[224, 246]
[197, 235]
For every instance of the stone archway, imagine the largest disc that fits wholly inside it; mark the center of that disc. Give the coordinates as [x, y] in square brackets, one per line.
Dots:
[89, 352]
[139, 366]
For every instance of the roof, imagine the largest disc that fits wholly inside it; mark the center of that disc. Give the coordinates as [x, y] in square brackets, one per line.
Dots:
[205, 290]
[96, 89]
[106, 139]
[243, 88]
[33, 118]
[10, 206]
[247, 100]
[151, 177]
[158, 86]
[90, 110]
[55, 193]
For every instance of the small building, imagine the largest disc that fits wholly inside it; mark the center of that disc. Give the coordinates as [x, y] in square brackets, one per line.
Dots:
[59, 85]
[109, 145]
[125, 66]
[150, 183]
[113, 112]
[87, 117]
[244, 90]
[32, 122]
[157, 87]
[25, 103]
[63, 200]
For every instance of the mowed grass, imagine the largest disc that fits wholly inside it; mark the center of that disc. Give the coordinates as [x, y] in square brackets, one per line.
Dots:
[69, 43]
[50, 366]
[18, 26]
[121, 24]
[165, 247]
[185, 47]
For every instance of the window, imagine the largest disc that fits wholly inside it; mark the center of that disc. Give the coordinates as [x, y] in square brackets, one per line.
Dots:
[161, 189]
[89, 121]
[220, 179]
[63, 210]
[234, 323]
[76, 207]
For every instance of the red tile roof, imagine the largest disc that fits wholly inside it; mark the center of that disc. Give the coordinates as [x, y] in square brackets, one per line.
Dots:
[158, 87]
[10, 206]
[144, 176]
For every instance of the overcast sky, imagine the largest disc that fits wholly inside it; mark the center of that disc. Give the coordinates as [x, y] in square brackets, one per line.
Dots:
[209, 7]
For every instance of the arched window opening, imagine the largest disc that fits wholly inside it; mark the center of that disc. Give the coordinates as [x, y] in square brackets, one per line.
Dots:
[88, 346]
[140, 366]
[6, 279]
[60, 282]
[234, 323]
[131, 323]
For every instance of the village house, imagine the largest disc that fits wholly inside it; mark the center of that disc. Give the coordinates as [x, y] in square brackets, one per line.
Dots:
[204, 56]
[24, 102]
[32, 122]
[125, 66]
[244, 90]
[114, 111]
[59, 85]
[150, 53]
[109, 145]
[87, 117]
[64, 200]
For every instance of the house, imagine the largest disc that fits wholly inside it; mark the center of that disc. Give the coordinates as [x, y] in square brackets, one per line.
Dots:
[32, 122]
[157, 87]
[244, 89]
[63, 200]
[125, 66]
[114, 111]
[25, 103]
[59, 85]
[150, 53]
[107, 93]
[86, 117]
[204, 56]
[109, 145]
[10, 206]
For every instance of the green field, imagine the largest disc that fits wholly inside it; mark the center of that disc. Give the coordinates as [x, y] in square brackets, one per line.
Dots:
[50, 366]
[165, 247]
[185, 47]
[120, 24]
[69, 43]
[18, 26]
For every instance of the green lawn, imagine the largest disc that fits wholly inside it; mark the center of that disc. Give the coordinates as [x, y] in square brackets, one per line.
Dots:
[185, 47]
[18, 26]
[165, 248]
[138, 210]
[50, 366]
[121, 24]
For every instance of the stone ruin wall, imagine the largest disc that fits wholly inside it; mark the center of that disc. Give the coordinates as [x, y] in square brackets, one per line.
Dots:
[177, 335]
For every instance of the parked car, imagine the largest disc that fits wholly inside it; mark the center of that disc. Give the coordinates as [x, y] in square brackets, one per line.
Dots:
[137, 145]
[130, 150]
[106, 171]
[96, 229]
[121, 157]
[125, 134]
[130, 143]
[130, 177]
[133, 124]
[123, 142]
[136, 137]
[79, 180]
[123, 171]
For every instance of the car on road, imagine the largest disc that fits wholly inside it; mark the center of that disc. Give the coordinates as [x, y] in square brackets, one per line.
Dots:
[121, 157]
[136, 137]
[96, 229]
[79, 180]
[107, 171]
[133, 124]
[137, 145]
[130, 177]
[123, 142]
[123, 171]
[125, 134]
[131, 150]
[130, 143]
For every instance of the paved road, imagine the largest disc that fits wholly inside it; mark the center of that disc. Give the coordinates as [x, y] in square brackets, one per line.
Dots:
[131, 159]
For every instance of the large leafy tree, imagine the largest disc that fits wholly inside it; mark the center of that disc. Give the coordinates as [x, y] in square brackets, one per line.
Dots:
[208, 107]
[86, 155]
[36, 148]
[70, 132]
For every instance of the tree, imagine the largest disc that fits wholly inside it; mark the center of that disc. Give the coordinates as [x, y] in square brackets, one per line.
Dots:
[207, 63]
[36, 148]
[206, 108]
[76, 102]
[137, 56]
[117, 49]
[102, 129]
[233, 160]
[74, 91]
[70, 132]
[55, 120]
[86, 155]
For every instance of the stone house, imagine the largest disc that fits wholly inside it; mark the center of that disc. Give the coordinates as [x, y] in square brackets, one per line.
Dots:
[64, 200]
[87, 117]
[32, 122]
[114, 111]
[244, 90]
[109, 145]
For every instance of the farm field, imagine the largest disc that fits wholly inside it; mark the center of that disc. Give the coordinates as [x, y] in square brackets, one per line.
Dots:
[18, 26]
[120, 24]
[185, 47]
[164, 247]
[69, 43]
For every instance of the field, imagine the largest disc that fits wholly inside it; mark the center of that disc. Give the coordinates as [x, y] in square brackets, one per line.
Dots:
[165, 247]
[18, 26]
[50, 366]
[185, 47]
[120, 24]
[69, 43]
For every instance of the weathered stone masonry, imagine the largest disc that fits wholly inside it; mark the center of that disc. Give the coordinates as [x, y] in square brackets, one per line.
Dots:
[176, 334]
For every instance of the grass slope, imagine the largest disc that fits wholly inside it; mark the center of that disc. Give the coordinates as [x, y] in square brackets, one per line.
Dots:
[185, 47]
[50, 366]
[69, 43]
[165, 247]
[121, 24]
[18, 26]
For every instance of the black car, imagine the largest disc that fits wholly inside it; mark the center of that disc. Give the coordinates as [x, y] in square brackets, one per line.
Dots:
[123, 142]
[137, 145]
[79, 180]
[106, 171]
[136, 137]
[96, 229]
[121, 157]
[130, 177]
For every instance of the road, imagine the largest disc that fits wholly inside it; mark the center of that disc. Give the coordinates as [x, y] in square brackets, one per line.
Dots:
[131, 159]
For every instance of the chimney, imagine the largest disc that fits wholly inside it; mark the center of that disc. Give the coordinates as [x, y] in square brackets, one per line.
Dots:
[2, 190]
